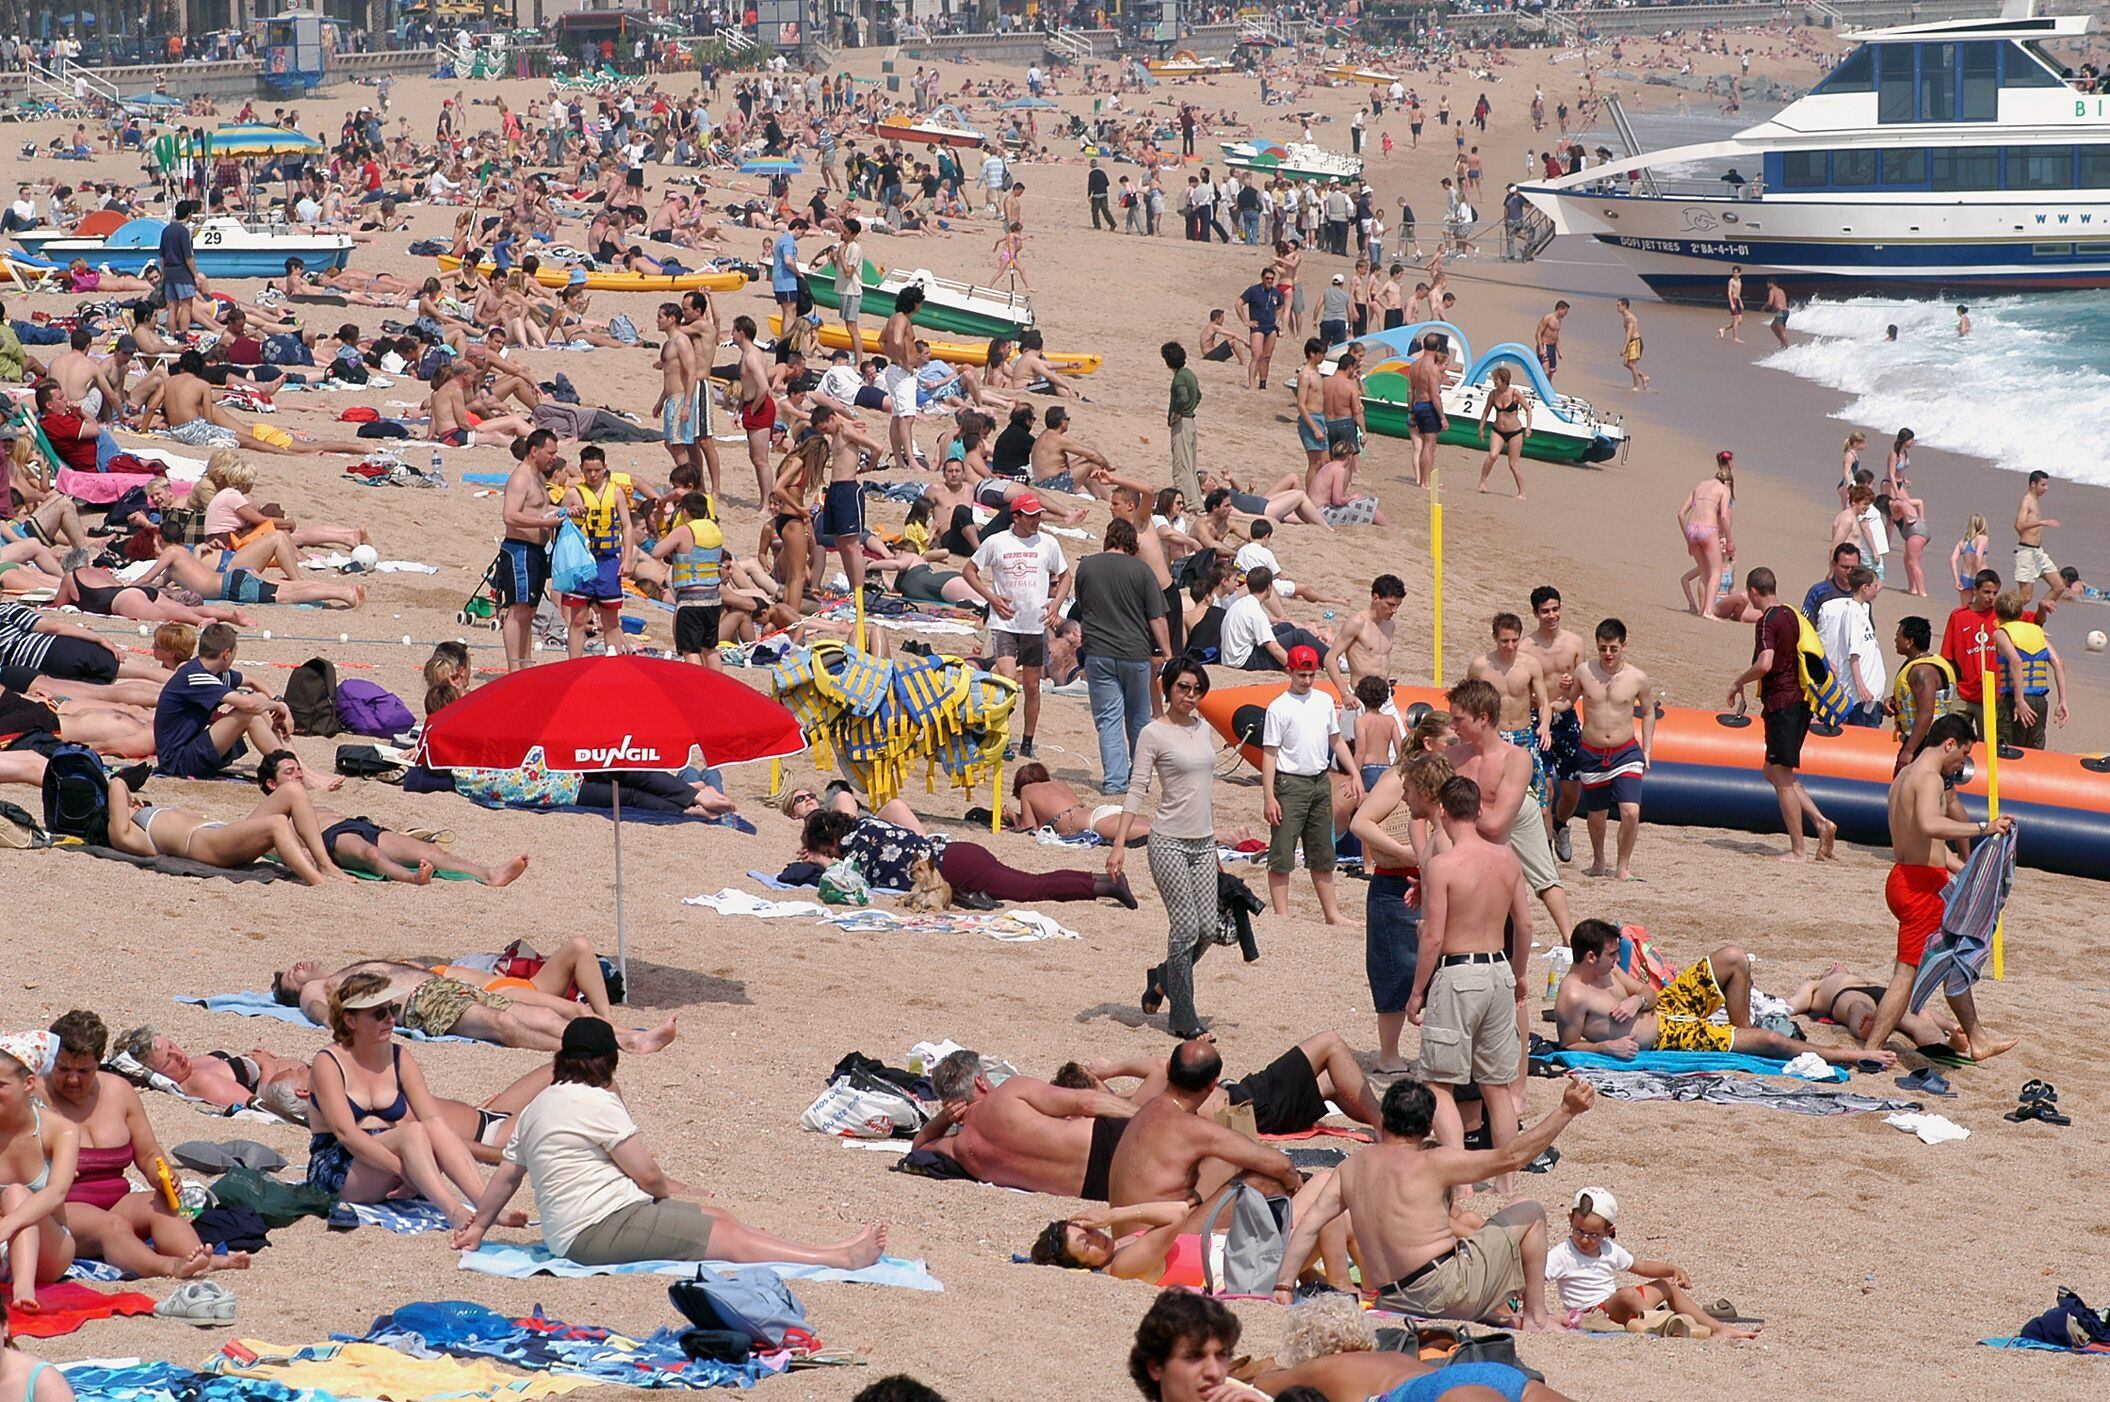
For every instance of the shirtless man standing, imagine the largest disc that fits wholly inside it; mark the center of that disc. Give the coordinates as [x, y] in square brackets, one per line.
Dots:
[897, 342]
[2032, 563]
[1546, 341]
[1735, 293]
[699, 322]
[758, 407]
[1921, 829]
[1601, 1008]
[1527, 705]
[1341, 395]
[1309, 396]
[1427, 421]
[1024, 1133]
[521, 573]
[680, 403]
[1503, 773]
[1132, 504]
[1398, 1194]
[1169, 1151]
[1558, 652]
[1469, 982]
[842, 521]
[1363, 644]
[1613, 762]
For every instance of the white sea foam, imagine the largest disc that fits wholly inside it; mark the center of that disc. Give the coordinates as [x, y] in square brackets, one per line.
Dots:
[2026, 389]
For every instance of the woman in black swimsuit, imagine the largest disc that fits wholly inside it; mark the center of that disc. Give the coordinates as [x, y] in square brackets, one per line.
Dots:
[1510, 409]
[98, 591]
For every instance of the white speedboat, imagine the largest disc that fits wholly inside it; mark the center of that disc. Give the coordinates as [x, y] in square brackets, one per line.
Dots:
[1934, 159]
[223, 247]
[1293, 160]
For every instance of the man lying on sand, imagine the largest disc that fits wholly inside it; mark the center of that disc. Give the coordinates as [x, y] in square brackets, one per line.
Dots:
[1288, 1096]
[1602, 1008]
[1850, 999]
[1024, 1133]
[440, 1006]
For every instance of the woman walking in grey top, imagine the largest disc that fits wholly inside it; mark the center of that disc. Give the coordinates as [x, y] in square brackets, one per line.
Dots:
[1178, 749]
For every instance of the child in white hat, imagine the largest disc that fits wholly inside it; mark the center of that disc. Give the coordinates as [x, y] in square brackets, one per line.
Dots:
[1582, 1273]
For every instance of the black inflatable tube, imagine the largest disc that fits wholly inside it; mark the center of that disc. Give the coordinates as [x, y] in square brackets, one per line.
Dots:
[1711, 796]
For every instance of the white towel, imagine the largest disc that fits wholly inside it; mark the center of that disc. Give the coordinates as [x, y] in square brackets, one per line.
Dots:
[1809, 1067]
[1932, 1129]
[732, 902]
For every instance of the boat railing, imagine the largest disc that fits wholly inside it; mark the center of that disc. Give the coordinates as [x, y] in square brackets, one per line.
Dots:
[61, 85]
[1616, 182]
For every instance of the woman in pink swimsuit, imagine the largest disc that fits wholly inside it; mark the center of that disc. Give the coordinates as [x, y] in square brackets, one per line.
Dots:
[1704, 520]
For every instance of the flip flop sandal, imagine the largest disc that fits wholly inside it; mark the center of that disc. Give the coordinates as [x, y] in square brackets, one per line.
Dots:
[1725, 1310]
[1927, 1080]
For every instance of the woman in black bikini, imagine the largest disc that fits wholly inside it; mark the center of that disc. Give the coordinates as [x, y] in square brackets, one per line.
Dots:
[1510, 409]
[98, 591]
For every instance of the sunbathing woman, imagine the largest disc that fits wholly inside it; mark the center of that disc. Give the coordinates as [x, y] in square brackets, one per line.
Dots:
[38, 1152]
[360, 844]
[374, 1129]
[840, 797]
[1161, 1241]
[231, 517]
[1044, 801]
[108, 1220]
[94, 590]
[235, 585]
[283, 823]
[886, 855]
[602, 1196]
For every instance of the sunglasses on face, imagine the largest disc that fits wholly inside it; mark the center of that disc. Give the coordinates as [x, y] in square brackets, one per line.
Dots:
[387, 1012]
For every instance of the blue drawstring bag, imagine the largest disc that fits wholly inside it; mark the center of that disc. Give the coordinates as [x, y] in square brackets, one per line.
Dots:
[751, 1301]
[572, 568]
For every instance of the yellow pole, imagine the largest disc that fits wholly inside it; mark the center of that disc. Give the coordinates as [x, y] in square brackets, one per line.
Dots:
[1436, 559]
[860, 616]
[996, 794]
[776, 777]
[1992, 798]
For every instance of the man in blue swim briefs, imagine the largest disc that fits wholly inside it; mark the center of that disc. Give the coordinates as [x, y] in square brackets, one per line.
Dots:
[1425, 404]
[1398, 1194]
[1547, 340]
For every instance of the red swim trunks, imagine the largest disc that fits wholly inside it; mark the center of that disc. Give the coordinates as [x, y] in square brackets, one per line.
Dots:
[1914, 896]
[760, 414]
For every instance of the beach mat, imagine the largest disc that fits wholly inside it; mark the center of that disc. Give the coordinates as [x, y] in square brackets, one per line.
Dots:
[651, 816]
[66, 1306]
[351, 1370]
[1676, 1063]
[180, 866]
[264, 1005]
[518, 1263]
[403, 1216]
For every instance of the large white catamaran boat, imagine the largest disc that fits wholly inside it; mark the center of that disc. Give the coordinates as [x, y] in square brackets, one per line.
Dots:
[1934, 159]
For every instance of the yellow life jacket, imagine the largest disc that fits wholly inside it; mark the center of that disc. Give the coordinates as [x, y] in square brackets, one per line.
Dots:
[2035, 652]
[602, 525]
[1821, 685]
[695, 572]
[1944, 687]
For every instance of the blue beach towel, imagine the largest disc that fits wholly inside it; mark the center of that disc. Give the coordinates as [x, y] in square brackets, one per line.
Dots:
[519, 1263]
[264, 1005]
[403, 1216]
[1677, 1063]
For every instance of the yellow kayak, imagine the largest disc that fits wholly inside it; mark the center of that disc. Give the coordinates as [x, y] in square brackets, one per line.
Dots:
[976, 353]
[1348, 73]
[621, 282]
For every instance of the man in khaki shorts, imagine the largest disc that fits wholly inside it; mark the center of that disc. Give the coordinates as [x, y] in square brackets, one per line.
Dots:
[1468, 985]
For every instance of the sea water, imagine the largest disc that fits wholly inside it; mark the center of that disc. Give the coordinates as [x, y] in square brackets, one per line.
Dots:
[2024, 390]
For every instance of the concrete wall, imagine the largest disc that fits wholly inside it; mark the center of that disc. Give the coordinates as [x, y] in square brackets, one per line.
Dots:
[238, 79]
[1882, 14]
[1654, 19]
[1023, 46]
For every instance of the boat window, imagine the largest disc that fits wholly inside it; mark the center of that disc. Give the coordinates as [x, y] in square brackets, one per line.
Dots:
[2023, 67]
[2051, 250]
[1937, 83]
[2094, 172]
[1963, 168]
[1802, 170]
[1904, 167]
[1980, 89]
[1855, 73]
[1894, 83]
[2039, 167]
[1853, 167]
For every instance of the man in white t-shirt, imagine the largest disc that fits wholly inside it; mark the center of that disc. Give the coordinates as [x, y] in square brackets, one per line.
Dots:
[1847, 629]
[1299, 744]
[1253, 639]
[1025, 578]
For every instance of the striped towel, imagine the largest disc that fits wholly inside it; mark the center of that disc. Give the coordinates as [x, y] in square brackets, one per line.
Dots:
[1971, 906]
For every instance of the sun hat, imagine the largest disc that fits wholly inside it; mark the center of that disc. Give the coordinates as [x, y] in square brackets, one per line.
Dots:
[379, 997]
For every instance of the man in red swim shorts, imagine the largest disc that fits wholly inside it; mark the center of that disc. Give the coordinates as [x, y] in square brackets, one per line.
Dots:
[1924, 819]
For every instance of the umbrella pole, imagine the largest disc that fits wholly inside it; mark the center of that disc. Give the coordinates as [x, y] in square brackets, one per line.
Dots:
[622, 941]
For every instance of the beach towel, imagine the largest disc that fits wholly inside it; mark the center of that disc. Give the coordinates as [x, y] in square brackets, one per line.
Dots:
[67, 1305]
[85, 1269]
[487, 479]
[403, 1216]
[542, 1345]
[1010, 926]
[1674, 1063]
[2041, 1346]
[337, 560]
[518, 1263]
[1971, 905]
[370, 1370]
[1718, 1089]
[133, 1380]
[733, 902]
[181, 866]
[778, 884]
[650, 816]
[264, 1005]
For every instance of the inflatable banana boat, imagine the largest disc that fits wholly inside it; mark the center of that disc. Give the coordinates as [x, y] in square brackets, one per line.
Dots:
[1705, 772]
[553, 275]
[836, 336]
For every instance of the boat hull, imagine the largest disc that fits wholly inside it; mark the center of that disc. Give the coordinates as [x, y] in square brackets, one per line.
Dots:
[621, 282]
[213, 262]
[938, 316]
[836, 336]
[927, 136]
[1683, 248]
[1561, 445]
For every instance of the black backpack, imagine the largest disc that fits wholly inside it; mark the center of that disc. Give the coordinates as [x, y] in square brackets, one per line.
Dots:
[77, 795]
[311, 694]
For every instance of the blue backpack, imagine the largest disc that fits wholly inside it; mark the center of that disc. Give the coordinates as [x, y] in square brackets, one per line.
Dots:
[77, 796]
[367, 708]
[753, 1301]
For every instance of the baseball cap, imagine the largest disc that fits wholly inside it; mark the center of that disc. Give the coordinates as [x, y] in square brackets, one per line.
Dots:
[591, 1036]
[1599, 1202]
[1303, 659]
[1025, 504]
[1338, 279]
[577, 278]
[127, 345]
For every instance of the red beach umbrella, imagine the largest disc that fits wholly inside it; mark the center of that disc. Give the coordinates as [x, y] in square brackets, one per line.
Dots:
[592, 714]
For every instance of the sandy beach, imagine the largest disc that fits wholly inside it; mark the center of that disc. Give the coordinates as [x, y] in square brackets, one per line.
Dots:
[1877, 1262]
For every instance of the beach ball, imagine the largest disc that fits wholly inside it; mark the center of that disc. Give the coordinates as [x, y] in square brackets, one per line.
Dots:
[2096, 641]
[365, 556]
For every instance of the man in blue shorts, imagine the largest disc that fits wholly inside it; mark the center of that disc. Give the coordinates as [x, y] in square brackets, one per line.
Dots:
[207, 711]
[521, 572]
